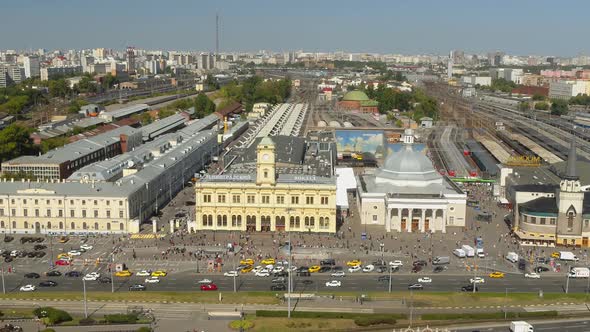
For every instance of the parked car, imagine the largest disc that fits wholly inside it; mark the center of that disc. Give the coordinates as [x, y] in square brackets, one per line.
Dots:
[329, 261]
[32, 275]
[104, 280]
[39, 247]
[8, 238]
[137, 287]
[334, 283]
[62, 262]
[369, 268]
[355, 268]
[278, 287]
[415, 286]
[469, 288]
[209, 287]
[540, 269]
[48, 283]
[532, 275]
[53, 273]
[439, 269]
[416, 268]
[74, 274]
[420, 262]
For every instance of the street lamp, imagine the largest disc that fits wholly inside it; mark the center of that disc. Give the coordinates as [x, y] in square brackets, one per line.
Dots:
[289, 282]
[85, 304]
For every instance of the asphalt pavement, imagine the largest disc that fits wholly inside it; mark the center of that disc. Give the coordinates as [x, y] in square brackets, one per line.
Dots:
[562, 325]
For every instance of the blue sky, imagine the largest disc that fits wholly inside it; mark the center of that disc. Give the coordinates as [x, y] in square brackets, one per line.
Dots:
[411, 26]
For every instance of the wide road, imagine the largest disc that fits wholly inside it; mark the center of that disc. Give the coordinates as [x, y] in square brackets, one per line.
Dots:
[358, 282]
[569, 325]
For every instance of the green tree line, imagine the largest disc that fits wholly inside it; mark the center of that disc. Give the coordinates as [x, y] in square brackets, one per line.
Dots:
[254, 90]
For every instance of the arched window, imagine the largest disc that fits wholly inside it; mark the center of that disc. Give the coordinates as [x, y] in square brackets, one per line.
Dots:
[96, 226]
[2, 224]
[61, 225]
[121, 227]
[49, 225]
[224, 221]
[218, 220]
[210, 220]
[311, 222]
[26, 224]
[84, 226]
[204, 220]
[291, 221]
[234, 221]
[306, 221]
[72, 225]
[108, 226]
[239, 221]
[14, 224]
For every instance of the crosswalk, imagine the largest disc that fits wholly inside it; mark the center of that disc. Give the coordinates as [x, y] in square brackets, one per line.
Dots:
[147, 236]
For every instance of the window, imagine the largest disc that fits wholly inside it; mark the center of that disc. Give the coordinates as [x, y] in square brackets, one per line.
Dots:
[525, 219]
[280, 199]
[13, 212]
[533, 220]
[95, 202]
[294, 199]
[24, 201]
[218, 221]
[60, 213]
[324, 200]
[72, 213]
[220, 198]
[235, 199]
[570, 221]
[121, 214]
[239, 224]
[48, 213]
[108, 203]
[552, 221]
[324, 223]
[251, 199]
[294, 222]
[36, 212]
[83, 213]
[108, 213]
[374, 217]
[83, 202]
[47, 202]
[309, 200]
[36, 202]
[1, 212]
[71, 202]
[25, 212]
[121, 204]
[95, 213]
[265, 174]
[204, 219]
[206, 198]
[543, 221]
[224, 221]
[265, 199]
[586, 223]
[1, 201]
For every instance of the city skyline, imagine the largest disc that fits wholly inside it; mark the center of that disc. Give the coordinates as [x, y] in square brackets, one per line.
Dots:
[422, 27]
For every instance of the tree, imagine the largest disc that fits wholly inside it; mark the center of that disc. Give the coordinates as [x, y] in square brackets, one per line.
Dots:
[59, 88]
[86, 85]
[503, 85]
[110, 80]
[145, 118]
[580, 100]
[542, 106]
[164, 113]
[15, 104]
[559, 107]
[52, 143]
[15, 141]
[524, 106]
[538, 97]
[203, 106]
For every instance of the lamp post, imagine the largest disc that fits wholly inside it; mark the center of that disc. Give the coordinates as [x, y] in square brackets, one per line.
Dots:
[289, 281]
[85, 304]
[112, 268]
[3, 285]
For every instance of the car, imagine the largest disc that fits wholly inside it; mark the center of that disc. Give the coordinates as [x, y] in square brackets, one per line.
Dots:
[63, 239]
[104, 280]
[307, 282]
[63, 256]
[93, 276]
[496, 275]
[396, 263]
[247, 261]
[416, 268]
[302, 269]
[281, 274]
[540, 269]
[39, 254]
[8, 238]
[230, 274]
[314, 268]
[278, 287]
[62, 262]
[39, 247]
[14, 253]
[86, 247]
[369, 268]
[555, 254]
[325, 269]
[383, 278]
[32, 275]
[48, 283]
[277, 269]
[144, 273]
[38, 239]
[32, 254]
[137, 287]
[28, 288]
[329, 261]
[25, 239]
[334, 283]
[381, 269]
[337, 268]
[542, 260]
[205, 281]
[247, 269]
[268, 261]
[22, 254]
[303, 273]
[425, 280]
[53, 273]
[209, 287]
[415, 286]
[477, 280]
[152, 280]
[439, 269]
[159, 273]
[469, 288]
[293, 268]
[420, 262]
[74, 274]
[338, 274]
[532, 275]
[258, 268]
[279, 280]
[124, 273]
[354, 262]
[262, 273]
[355, 268]
[8, 259]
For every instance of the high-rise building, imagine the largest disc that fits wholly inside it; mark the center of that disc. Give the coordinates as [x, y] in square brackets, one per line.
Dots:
[32, 68]
[152, 66]
[130, 60]
[86, 61]
[11, 74]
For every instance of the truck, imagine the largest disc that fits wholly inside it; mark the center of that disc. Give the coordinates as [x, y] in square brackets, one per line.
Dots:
[521, 326]
[459, 253]
[567, 256]
[440, 260]
[512, 257]
[480, 253]
[522, 264]
[469, 251]
[579, 272]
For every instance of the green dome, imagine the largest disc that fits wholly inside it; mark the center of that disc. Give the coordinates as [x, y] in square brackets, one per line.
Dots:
[355, 95]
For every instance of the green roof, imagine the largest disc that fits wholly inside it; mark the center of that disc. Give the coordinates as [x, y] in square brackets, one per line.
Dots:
[266, 141]
[355, 95]
[369, 103]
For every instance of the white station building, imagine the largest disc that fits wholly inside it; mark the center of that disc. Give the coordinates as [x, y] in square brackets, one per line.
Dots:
[407, 194]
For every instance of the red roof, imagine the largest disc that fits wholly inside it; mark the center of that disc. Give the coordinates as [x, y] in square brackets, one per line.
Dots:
[326, 89]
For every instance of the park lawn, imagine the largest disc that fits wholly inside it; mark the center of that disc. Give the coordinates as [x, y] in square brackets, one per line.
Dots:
[193, 297]
[271, 324]
[8, 313]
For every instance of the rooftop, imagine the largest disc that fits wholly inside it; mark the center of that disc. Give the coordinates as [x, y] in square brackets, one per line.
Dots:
[355, 95]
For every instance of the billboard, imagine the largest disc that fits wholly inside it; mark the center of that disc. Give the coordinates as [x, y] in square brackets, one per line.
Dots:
[356, 143]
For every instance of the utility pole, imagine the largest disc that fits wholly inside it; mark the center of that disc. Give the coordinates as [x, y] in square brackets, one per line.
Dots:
[390, 268]
[290, 281]
[112, 268]
[235, 272]
[3, 285]
[505, 300]
[567, 283]
[85, 304]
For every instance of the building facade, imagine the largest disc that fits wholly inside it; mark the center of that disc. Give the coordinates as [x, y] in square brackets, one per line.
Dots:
[358, 101]
[408, 195]
[266, 200]
[32, 66]
[567, 89]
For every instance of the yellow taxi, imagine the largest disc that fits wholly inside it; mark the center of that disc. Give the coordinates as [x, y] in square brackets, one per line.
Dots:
[555, 254]
[247, 269]
[64, 239]
[268, 261]
[496, 275]
[353, 263]
[124, 273]
[247, 261]
[63, 256]
[159, 273]
[314, 268]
